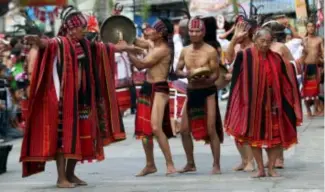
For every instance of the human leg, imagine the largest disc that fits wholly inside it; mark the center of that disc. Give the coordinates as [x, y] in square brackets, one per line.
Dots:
[70, 173]
[214, 139]
[63, 181]
[272, 154]
[279, 162]
[158, 110]
[187, 144]
[250, 165]
[150, 167]
[241, 150]
[133, 94]
[257, 152]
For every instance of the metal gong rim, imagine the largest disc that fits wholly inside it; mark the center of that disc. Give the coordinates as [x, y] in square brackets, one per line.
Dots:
[109, 31]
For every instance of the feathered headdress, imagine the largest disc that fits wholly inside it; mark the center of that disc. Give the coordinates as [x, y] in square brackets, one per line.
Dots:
[92, 26]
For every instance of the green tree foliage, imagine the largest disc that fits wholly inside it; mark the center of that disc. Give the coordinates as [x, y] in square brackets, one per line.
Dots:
[145, 10]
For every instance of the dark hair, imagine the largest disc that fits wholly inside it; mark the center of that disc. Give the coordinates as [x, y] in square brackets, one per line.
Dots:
[169, 26]
[13, 41]
[277, 30]
[210, 29]
[312, 22]
[169, 39]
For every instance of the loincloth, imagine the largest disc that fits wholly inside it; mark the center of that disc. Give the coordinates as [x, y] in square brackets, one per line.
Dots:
[145, 101]
[311, 81]
[197, 113]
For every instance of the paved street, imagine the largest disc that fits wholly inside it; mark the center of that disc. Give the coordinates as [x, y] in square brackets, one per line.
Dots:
[304, 169]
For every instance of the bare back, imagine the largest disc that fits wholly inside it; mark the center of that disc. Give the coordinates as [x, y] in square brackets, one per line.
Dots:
[202, 57]
[313, 46]
[282, 50]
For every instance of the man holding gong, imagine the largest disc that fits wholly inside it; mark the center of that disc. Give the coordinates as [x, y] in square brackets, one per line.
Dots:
[201, 116]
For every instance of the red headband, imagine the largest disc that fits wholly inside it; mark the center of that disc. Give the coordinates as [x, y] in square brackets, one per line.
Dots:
[77, 20]
[196, 23]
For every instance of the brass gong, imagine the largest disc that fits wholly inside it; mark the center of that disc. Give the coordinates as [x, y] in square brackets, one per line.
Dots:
[116, 28]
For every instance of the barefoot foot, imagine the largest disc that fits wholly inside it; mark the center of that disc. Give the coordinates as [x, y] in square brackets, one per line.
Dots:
[273, 173]
[309, 115]
[249, 167]
[259, 174]
[239, 167]
[170, 170]
[279, 164]
[216, 170]
[65, 184]
[74, 179]
[188, 168]
[146, 171]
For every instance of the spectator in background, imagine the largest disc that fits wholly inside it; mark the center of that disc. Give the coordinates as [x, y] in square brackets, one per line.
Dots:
[8, 109]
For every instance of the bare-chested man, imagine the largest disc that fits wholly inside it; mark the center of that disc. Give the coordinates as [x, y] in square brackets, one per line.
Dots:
[242, 40]
[201, 115]
[152, 118]
[312, 60]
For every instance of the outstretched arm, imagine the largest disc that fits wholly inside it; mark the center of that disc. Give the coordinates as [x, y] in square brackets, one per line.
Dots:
[36, 40]
[142, 43]
[123, 47]
[180, 66]
[150, 60]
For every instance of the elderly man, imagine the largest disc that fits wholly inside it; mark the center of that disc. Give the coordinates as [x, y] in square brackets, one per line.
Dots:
[261, 108]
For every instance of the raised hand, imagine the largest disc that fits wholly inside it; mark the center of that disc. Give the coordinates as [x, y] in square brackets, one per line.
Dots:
[241, 30]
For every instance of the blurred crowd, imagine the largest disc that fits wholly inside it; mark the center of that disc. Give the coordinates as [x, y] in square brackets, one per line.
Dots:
[12, 85]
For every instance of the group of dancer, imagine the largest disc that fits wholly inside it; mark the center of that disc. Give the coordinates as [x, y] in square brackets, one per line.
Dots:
[73, 110]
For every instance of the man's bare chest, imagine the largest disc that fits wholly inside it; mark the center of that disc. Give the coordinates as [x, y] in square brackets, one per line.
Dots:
[313, 45]
[194, 59]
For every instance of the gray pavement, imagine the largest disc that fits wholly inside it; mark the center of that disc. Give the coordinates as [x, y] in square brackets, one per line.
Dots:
[304, 168]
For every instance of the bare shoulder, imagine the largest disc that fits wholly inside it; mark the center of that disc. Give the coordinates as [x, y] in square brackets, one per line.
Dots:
[186, 49]
[210, 50]
[319, 39]
[161, 51]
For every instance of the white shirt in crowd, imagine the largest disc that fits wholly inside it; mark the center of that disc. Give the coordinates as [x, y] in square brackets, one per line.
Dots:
[123, 65]
[295, 47]
[178, 46]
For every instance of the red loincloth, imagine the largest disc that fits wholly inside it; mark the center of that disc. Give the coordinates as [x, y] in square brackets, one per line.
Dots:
[112, 126]
[197, 113]
[258, 113]
[138, 77]
[144, 108]
[311, 80]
